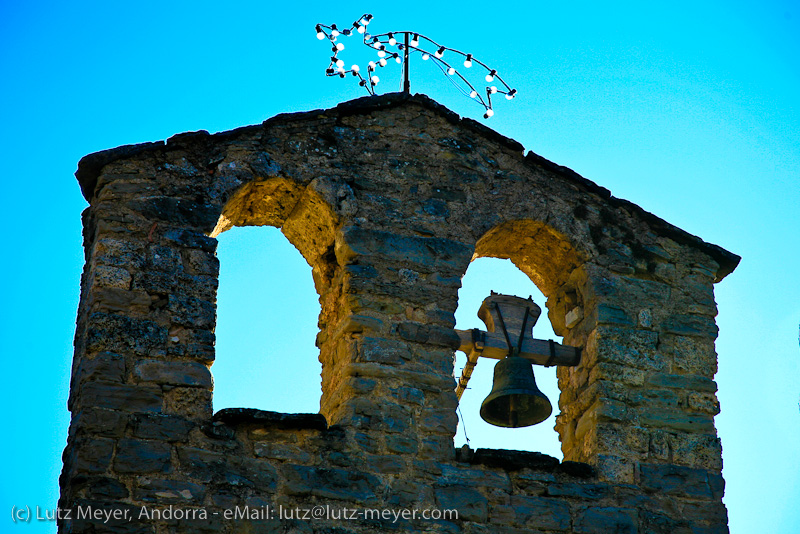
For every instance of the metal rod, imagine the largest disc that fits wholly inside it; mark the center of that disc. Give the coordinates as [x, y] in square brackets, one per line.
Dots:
[406, 82]
[505, 332]
[522, 331]
[478, 339]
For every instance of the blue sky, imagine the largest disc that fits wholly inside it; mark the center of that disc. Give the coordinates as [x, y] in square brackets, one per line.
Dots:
[688, 109]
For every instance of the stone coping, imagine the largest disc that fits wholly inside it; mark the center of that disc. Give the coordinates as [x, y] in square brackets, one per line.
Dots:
[91, 166]
[284, 421]
[512, 460]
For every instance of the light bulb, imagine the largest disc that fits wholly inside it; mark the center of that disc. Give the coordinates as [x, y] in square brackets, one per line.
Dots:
[509, 96]
[451, 71]
[361, 29]
[340, 46]
[375, 79]
[382, 62]
[371, 65]
[397, 59]
[355, 68]
[381, 53]
[473, 93]
[320, 36]
[490, 76]
[341, 70]
[339, 63]
[468, 61]
[392, 40]
[493, 89]
[425, 57]
[415, 40]
[334, 33]
[439, 53]
[489, 113]
[366, 36]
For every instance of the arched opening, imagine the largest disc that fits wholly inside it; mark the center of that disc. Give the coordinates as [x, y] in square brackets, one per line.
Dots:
[267, 312]
[520, 257]
[500, 275]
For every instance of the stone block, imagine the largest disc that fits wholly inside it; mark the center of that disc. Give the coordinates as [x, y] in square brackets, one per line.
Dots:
[190, 239]
[626, 346]
[609, 314]
[124, 397]
[113, 277]
[430, 334]
[687, 382]
[161, 427]
[111, 299]
[675, 480]
[168, 492]
[108, 517]
[105, 367]
[385, 464]
[119, 253]
[202, 465]
[438, 421]
[691, 325]
[93, 455]
[470, 503]
[174, 373]
[605, 520]
[155, 283]
[382, 351]
[166, 259]
[703, 402]
[675, 419]
[458, 475]
[424, 254]
[541, 513]
[191, 311]
[692, 355]
[401, 444]
[340, 484]
[123, 335]
[179, 212]
[575, 490]
[100, 421]
[142, 456]
[101, 488]
[281, 451]
[202, 262]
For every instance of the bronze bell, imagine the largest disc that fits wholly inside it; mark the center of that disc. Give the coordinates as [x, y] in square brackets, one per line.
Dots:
[515, 401]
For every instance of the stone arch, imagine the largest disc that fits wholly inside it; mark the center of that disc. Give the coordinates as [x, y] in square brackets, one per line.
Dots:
[551, 262]
[306, 217]
[267, 321]
[543, 253]
[486, 274]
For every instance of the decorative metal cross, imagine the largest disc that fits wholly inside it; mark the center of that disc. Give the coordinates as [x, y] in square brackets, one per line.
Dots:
[509, 321]
[406, 43]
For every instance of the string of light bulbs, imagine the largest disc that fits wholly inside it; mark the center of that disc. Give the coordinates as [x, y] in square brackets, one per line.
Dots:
[406, 43]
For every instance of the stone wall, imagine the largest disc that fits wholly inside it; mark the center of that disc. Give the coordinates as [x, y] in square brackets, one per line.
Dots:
[388, 199]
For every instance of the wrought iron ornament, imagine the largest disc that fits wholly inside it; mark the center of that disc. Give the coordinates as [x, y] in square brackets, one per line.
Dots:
[398, 47]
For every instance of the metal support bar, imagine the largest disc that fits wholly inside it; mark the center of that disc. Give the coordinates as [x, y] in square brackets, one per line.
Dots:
[538, 351]
[477, 345]
[406, 81]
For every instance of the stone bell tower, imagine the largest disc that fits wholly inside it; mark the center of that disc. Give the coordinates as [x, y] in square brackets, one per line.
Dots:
[388, 199]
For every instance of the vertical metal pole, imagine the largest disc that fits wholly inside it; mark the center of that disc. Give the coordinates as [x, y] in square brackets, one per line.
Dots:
[406, 82]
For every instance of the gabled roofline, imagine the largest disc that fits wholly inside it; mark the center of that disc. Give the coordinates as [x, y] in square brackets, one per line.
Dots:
[91, 165]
